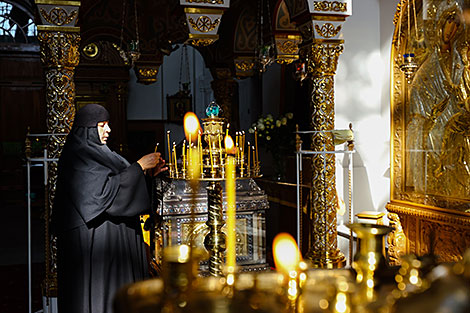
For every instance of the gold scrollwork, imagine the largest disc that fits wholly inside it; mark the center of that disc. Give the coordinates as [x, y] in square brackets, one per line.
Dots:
[334, 6]
[58, 16]
[203, 23]
[148, 72]
[286, 60]
[327, 30]
[288, 47]
[206, 1]
[202, 42]
[91, 50]
[244, 66]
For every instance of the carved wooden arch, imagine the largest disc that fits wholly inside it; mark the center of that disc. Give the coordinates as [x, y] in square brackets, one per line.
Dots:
[245, 33]
[282, 20]
[297, 9]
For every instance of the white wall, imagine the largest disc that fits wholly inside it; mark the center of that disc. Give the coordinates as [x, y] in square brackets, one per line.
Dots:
[362, 92]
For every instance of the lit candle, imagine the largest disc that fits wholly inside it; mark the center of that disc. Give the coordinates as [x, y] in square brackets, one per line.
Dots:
[249, 151]
[176, 163]
[169, 148]
[226, 130]
[230, 190]
[194, 167]
[189, 150]
[156, 147]
[199, 150]
[183, 155]
[237, 153]
[236, 138]
[255, 162]
[286, 253]
[287, 259]
[191, 128]
[243, 141]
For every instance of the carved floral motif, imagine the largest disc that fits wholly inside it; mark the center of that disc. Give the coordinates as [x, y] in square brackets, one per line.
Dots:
[327, 30]
[288, 47]
[58, 16]
[204, 23]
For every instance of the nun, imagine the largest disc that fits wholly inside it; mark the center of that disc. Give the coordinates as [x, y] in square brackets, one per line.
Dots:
[99, 198]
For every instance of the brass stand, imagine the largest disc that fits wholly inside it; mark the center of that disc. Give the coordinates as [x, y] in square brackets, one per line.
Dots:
[214, 242]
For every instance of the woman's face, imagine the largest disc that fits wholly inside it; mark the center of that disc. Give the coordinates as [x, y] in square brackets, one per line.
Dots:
[103, 131]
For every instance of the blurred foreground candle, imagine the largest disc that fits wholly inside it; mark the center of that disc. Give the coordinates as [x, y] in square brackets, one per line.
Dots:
[287, 260]
[286, 253]
[230, 190]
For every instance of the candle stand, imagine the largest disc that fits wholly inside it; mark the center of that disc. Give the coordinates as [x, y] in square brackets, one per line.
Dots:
[251, 200]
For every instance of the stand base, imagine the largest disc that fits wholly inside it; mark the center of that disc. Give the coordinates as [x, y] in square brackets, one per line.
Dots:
[326, 261]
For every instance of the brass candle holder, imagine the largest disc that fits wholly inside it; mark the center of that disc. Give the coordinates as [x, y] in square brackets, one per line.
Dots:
[370, 259]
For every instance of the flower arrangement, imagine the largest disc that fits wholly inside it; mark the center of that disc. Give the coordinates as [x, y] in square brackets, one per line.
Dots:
[276, 136]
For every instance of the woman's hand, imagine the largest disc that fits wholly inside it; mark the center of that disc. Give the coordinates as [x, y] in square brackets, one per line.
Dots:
[160, 167]
[149, 161]
[152, 161]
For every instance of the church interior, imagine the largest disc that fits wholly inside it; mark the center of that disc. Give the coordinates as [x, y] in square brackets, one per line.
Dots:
[346, 184]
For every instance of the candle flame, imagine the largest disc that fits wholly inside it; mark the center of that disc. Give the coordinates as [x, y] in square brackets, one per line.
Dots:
[191, 126]
[286, 253]
[229, 146]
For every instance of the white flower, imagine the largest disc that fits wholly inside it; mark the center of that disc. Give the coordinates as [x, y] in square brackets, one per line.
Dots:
[261, 126]
[251, 130]
[290, 115]
[269, 117]
[284, 121]
[260, 120]
[268, 137]
[278, 123]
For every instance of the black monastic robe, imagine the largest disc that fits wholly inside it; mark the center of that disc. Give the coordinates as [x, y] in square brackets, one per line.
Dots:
[100, 248]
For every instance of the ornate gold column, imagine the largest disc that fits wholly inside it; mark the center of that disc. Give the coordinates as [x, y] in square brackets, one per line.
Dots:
[322, 48]
[59, 40]
[224, 87]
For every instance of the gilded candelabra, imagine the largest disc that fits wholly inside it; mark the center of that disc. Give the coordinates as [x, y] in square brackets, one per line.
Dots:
[212, 160]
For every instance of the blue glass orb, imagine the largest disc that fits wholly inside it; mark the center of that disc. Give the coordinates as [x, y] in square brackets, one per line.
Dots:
[212, 109]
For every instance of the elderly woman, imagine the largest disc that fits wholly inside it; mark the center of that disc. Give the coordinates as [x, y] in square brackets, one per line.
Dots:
[96, 216]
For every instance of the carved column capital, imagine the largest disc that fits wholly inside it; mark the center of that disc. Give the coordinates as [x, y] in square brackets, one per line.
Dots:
[322, 57]
[59, 49]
